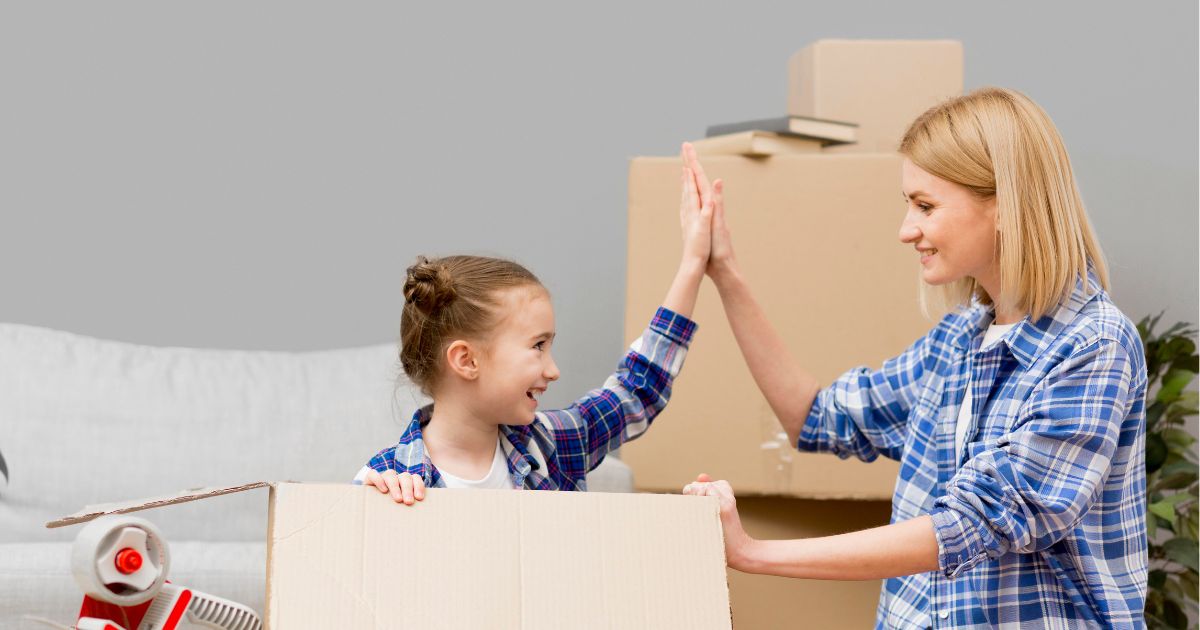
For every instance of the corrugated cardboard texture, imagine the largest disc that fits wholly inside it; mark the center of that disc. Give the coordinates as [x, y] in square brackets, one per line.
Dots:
[816, 237]
[348, 557]
[880, 85]
[763, 602]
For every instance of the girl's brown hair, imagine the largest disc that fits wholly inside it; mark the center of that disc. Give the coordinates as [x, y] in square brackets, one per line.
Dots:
[448, 298]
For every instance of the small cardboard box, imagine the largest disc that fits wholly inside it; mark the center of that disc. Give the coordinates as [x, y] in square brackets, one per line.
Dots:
[816, 237]
[344, 556]
[881, 85]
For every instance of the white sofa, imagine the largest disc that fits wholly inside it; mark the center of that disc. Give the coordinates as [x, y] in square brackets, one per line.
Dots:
[85, 421]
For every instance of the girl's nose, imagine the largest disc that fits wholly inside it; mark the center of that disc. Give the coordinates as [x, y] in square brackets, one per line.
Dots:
[551, 371]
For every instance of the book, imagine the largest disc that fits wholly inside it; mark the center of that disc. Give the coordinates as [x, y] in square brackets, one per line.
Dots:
[756, 143]
[827, 131]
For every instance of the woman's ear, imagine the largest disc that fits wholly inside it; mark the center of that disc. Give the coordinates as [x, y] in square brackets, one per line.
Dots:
[463, 359]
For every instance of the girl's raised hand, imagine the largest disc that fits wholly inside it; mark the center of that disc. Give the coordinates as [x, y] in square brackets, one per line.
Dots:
[720, 257]
[404, 487]
[695, 209]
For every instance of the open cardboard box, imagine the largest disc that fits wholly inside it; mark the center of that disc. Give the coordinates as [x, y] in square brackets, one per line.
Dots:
[345, 556]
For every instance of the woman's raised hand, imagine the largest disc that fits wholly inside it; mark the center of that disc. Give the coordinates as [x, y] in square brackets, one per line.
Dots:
[720, 259]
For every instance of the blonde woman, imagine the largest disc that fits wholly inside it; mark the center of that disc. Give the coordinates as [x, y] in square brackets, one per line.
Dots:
[1018, 420]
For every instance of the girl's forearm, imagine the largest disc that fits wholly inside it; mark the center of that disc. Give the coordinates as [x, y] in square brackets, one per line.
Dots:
[681, 297]
[788, 388]
[903, 548]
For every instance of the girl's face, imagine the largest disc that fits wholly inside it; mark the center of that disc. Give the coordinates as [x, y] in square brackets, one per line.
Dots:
[516, 366]
[953, 230]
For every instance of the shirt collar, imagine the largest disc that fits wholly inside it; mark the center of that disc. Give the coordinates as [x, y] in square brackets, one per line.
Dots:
[411, 452]
[1029, 338]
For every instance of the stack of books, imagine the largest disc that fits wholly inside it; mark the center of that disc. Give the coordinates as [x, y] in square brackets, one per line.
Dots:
[771, 136]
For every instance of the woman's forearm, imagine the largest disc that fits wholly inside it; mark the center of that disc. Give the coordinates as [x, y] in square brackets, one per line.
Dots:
[892, 550]
[788, 388]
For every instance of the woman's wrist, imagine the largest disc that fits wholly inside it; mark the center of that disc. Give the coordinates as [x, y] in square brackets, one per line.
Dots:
[745, 555]
[724, 273]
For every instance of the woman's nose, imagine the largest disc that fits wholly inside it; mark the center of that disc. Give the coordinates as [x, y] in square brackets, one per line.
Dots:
[910, 232]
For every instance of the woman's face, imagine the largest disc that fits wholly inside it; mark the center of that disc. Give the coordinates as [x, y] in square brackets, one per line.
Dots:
[953, 231]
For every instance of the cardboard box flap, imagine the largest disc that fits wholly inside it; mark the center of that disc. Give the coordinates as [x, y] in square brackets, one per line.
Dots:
[136, 505]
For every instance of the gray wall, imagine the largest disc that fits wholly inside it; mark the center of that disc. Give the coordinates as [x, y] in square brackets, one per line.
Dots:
[258, 175]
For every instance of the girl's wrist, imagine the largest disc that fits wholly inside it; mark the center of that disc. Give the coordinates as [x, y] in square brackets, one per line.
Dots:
[692, 268]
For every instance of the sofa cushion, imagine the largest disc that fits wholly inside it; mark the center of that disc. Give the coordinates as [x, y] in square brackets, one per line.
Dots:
[85, 421]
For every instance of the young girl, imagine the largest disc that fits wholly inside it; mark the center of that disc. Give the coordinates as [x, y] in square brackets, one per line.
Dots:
[1019, 420]
[476, 336]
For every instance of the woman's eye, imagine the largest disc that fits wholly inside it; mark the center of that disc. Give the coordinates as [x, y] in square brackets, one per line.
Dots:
[924, 207]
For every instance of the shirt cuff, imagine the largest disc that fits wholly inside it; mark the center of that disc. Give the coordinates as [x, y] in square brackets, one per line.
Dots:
[962, 544]
[675, 326]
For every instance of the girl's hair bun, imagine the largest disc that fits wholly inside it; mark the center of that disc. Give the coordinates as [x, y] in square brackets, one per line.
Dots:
[429, 286]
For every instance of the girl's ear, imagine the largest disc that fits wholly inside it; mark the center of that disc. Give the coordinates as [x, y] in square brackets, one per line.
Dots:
[463, 359]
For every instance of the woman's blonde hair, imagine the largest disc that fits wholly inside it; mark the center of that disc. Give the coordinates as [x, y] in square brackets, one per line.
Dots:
[999, 143]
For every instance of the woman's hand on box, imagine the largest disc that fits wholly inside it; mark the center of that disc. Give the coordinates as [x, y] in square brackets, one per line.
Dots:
[404, 487]
[737, 541]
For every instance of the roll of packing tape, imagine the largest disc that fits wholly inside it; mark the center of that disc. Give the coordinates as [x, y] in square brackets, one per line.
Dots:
[120, 559]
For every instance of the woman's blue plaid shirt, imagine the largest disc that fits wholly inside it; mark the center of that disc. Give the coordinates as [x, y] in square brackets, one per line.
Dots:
[558, 449]
[1042, 521]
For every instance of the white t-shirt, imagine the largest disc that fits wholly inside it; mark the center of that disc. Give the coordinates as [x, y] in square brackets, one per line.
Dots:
[993, 334]
[496, 479]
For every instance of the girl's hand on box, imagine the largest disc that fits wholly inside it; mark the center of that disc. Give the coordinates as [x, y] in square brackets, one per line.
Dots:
[695, 209]
[737, 542]
[404, 487]
[720, 258]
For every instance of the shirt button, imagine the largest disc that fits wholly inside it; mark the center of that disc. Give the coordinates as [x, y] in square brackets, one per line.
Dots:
[945, 614]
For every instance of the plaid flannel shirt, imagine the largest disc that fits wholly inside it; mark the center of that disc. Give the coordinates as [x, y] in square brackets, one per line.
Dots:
[1042, 521]
[556, 451]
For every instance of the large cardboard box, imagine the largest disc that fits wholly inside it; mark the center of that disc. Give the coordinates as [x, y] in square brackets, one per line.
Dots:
[343, 556]
[765, 602]
[816, 236]
[881, 85]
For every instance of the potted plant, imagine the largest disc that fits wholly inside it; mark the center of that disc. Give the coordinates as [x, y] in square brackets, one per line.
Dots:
[1171, 474]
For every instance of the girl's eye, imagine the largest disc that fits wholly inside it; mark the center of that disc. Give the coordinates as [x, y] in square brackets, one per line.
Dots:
[541, 345]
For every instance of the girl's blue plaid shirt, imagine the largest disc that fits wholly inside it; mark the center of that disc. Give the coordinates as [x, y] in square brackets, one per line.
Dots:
[558, 449]
[1042, 520]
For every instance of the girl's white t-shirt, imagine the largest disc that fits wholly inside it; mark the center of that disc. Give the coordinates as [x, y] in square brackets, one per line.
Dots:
[994, 333]
[496, 479]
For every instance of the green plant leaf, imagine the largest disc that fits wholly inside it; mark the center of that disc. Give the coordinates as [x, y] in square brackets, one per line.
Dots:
[1174, 616]
[1183, 551]
[1173, 383]
[1190, 363]
[1178, 437]
[1156, 452]
[1157, 578]
[1164, 510]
